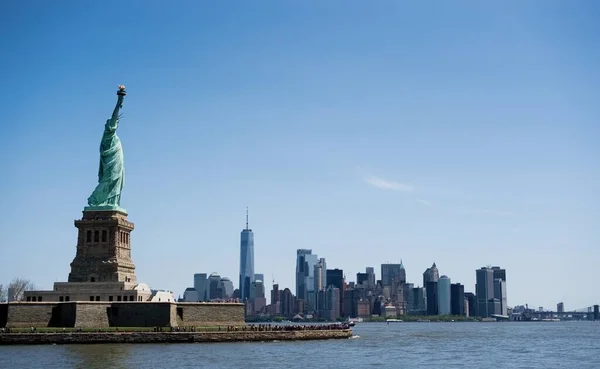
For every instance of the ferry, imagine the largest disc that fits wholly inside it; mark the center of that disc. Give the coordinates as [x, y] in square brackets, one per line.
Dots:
[352, 321]
[394, 321]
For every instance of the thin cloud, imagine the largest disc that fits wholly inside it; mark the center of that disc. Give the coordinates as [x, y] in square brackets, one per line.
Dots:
[425, 202]
[471, 211]
[384, 184]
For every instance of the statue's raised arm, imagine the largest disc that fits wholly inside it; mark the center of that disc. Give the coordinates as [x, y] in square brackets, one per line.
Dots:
[113, 123]
[111, 172]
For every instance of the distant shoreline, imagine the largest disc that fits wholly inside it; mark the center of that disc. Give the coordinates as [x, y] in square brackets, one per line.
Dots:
[169, 337]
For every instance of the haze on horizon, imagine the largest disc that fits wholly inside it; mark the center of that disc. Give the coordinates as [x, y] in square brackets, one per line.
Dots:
[463, 134]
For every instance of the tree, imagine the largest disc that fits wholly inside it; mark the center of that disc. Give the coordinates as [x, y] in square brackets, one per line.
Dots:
[17, 287]
[2, 293]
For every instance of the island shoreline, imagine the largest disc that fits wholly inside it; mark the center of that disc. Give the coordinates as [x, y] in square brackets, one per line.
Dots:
[169, 337]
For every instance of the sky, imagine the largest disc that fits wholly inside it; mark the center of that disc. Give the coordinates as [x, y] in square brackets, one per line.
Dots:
[463, 133]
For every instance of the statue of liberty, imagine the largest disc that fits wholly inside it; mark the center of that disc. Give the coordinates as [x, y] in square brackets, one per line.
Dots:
[111, 173]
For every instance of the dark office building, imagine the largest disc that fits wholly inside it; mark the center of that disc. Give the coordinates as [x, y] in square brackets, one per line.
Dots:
[431, 289]
[457, 299]
[351, 298]
[431, 275]
[287, 303]
[376, 310]
[494, 307]
[362, 278]
[417, 303]
[484, 291]
[275, 294]
[499, 273]
[393, 273]
[335, 277]
[472, 302]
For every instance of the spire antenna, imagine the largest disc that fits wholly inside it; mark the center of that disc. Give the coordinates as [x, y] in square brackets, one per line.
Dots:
[246, 217]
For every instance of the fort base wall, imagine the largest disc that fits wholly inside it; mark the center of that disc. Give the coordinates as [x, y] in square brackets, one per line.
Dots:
[84, 314]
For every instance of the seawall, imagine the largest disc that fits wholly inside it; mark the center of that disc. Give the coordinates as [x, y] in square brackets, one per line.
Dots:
[169, 337]
[104, 314]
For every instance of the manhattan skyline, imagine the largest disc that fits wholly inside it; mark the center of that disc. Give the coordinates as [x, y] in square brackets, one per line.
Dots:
[461, 135]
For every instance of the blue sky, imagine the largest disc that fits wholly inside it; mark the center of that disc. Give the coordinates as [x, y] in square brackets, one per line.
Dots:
[464, 133]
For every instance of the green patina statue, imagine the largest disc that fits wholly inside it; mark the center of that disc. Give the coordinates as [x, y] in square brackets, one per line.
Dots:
[111, 174]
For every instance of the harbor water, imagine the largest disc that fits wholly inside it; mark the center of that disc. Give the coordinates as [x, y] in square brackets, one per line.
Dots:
[396, 345]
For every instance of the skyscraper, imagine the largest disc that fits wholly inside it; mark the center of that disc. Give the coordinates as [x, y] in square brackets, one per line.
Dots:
[431, 291]
[275, 294]
[361, 279]
[392, 273]
[418, 300]
[305, 268]
[318, 277]
[443, 295]
[323, 263]
[484, 290]
[457, 299]
[335, 278]
[431, 275]
[500, 294]
[499, 273]
[215, 290]
[200, 285]
[300, 271]
[226, 288]
[472, 302]
[370, 277]
[246, 261]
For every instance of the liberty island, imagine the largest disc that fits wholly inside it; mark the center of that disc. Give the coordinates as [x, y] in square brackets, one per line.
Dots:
[102, 292]
[102, 289]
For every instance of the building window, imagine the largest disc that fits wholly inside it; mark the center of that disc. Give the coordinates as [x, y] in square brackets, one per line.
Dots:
[118, 298]
[110, 298]
[67, 298]
[126, 237]
[104, 235]
[130, 298]
[88, 237]
[28, 298]
[93, 279]
[60, 299]
[97, 298]
[96, 236]
[91, 298]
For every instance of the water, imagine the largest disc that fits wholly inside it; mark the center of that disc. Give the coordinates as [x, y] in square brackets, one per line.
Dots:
[397, 345]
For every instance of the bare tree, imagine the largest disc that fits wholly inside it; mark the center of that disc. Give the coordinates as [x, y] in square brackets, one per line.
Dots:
[2, 293]
[17, 287]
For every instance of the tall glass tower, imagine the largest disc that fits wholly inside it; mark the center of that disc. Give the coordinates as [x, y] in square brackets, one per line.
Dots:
[246, 261]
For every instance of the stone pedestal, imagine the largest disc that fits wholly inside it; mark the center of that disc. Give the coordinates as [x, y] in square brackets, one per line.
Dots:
[103, 248]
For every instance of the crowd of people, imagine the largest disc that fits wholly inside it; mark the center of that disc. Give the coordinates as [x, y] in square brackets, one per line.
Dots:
[294, 327]
[243, 328]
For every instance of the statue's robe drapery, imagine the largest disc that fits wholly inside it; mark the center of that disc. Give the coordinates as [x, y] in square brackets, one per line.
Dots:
[111, 173]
